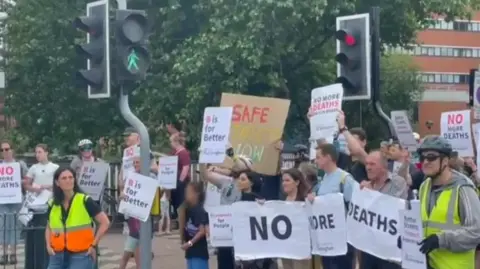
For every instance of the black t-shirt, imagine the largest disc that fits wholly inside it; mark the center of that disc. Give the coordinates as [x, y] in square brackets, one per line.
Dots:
[344, 161]
[358, 171]
[91, 206]
[195, 217]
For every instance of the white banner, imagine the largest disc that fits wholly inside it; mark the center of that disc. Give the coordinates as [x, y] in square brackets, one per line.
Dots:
[10, 183]
[220, 226]
[138, 196]
[411, 229]
[92, 178]
[456, 128]
[33, 200]
[127, 160]
[215, 133]
[167, 172]
[276, 229]
[325, 104]
[373, 217]
[328, 229]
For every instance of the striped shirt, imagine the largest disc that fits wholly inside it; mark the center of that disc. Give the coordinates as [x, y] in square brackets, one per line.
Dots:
[395, 186]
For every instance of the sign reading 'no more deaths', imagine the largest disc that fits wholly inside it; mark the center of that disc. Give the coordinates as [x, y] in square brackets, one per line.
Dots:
[257, 124]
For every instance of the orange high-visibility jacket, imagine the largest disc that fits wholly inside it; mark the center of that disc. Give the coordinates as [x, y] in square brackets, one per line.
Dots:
[77, 233]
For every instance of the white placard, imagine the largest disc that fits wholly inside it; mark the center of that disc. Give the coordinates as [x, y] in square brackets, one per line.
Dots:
[167, 172]
[476, 96]
[456, 128]
[411, 230]
[129, 154]
[220, 226]
[373, 218]
[33, 200]
[215, 134]
[328, 228]
[10, 183]
[325, 104]
[404, 131]
[138, 195]
[92, 178]
[276, 229]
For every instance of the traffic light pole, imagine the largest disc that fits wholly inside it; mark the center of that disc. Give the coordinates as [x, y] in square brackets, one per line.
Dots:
[376, 102]
[146, 227]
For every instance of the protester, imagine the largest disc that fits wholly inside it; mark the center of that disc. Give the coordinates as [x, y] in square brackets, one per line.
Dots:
[225, 180]
[295, 189]
[165, 213]
[40, 175]
[71, 239]
[398, 157]
[177, 142]
[193, 227]
[85, 150]
[335, 180]
[10, 234]
[451, 229]
[309, 172]
[379, 179]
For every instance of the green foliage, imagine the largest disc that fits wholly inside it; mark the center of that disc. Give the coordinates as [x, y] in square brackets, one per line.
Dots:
[200, 48]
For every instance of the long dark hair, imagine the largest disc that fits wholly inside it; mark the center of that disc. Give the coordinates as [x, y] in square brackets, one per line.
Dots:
[302, 188]
[58, 196]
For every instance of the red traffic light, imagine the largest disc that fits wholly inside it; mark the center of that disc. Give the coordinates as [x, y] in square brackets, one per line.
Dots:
[346, 37]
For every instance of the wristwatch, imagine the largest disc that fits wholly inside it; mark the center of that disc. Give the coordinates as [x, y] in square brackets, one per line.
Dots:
[341, 130]
[190, 243]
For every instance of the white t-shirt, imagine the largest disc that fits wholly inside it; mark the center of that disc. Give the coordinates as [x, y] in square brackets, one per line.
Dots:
[42, 174]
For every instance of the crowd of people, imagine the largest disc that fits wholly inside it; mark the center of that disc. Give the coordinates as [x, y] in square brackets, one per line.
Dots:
[445, 183]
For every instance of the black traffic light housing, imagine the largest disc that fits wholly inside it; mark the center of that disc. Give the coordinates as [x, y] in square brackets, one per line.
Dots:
[132, 30]
[96, 50]
[353, 56]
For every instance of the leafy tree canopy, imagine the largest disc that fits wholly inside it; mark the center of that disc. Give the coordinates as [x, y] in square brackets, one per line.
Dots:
[200, 48]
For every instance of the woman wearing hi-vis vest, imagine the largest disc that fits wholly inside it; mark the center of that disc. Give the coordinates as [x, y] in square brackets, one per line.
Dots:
[70, 235]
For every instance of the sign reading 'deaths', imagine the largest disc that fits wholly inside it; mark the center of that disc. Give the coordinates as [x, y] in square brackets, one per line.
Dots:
[257, 124]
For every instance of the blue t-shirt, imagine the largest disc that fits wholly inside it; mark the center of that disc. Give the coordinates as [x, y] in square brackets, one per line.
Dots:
[337, 182]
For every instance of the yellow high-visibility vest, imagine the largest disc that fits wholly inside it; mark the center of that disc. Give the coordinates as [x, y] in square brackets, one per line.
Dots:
[444, 217]
[77, 234]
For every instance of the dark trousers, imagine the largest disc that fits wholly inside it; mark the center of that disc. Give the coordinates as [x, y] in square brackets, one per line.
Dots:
[368, 261]
[339, 262]
[178, 196]
[225, 259]
[36, 256]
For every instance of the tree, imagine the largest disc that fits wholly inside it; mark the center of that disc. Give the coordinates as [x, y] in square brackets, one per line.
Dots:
[199, 49]
[41, 93]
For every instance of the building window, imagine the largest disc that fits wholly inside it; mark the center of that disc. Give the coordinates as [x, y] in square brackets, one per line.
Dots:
[464, 26]
[437, 51]
[444, 78]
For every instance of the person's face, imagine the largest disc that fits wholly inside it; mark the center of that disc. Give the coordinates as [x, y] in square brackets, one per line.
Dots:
[66, 181]
[430, 162]
[131, 139]
[171, 129]
[363, 143]
[321, 160]
[374, 166]
[289, 185]
[41, 154]
[243, 183]
[6, 151]
[86, 151]
[136, 165]
[191, 196]
[395, 152]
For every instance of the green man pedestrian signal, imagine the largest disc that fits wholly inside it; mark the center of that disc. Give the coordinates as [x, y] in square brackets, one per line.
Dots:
[353, 56]
[96, 50]
[131, 36]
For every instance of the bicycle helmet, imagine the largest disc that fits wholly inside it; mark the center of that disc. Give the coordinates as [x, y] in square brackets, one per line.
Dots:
[84, 142]
[435, 143]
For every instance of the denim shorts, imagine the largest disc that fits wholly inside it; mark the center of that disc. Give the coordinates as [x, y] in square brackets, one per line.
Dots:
[131, 244]
[197, 263]
[64, 260]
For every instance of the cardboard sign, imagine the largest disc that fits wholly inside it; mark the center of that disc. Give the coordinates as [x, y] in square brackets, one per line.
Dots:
[257, 124]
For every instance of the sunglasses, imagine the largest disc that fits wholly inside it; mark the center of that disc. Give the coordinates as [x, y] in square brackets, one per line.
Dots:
[429, 157]
[5, 149]
[85, 148]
